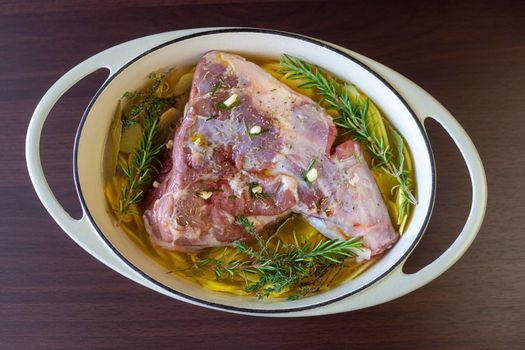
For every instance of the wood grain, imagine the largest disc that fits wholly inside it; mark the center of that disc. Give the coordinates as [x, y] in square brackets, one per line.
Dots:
[469, 55]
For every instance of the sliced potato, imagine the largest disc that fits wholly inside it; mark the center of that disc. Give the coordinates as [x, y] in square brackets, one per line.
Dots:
[297, 230]
[397, 145]
[376, 123]
[164, 90]
[274, 67]
[130, 138]
[221, 286]
[111, 150]
[166, 121]
[183, 84]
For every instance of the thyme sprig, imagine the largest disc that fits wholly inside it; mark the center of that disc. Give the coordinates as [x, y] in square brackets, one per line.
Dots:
[304, 268]
[143, 100]
[352, 116]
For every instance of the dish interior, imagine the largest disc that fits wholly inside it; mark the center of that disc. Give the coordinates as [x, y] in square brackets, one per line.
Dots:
[186, 52]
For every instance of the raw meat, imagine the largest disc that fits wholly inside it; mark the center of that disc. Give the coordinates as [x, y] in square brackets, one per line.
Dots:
[243, 148]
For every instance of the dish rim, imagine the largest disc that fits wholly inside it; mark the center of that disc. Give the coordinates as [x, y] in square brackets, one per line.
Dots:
[235, 308]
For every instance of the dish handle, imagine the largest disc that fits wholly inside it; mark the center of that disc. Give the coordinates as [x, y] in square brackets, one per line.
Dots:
[428, 107]
[79, 230]
[398, 283]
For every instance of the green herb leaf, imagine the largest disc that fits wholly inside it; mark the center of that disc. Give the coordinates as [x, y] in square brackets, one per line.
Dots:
[215, 88]
[247, 224]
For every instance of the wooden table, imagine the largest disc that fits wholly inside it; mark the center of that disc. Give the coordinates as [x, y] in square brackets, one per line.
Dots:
[469, 55]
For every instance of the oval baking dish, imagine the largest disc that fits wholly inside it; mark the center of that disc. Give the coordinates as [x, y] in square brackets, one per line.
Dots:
[405, 104]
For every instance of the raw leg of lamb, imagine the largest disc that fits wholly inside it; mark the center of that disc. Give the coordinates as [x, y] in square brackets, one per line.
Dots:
[250, 147]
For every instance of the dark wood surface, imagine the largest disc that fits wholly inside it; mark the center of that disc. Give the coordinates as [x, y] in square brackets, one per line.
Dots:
[469, 55]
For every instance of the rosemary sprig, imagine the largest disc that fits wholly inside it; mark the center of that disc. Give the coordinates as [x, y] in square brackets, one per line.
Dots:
[146, 108]
[352, 116]
[288, 266]
[140, 168]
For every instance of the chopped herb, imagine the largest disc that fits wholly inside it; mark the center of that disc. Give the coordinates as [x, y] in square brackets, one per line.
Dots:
[215, 88]
[243, 221]
[231, 196]
[212, 117]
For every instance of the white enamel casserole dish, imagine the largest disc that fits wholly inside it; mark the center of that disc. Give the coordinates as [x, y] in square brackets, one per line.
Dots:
[403, 103]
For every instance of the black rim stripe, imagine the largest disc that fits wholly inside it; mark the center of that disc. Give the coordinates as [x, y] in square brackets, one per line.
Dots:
[233, 308]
